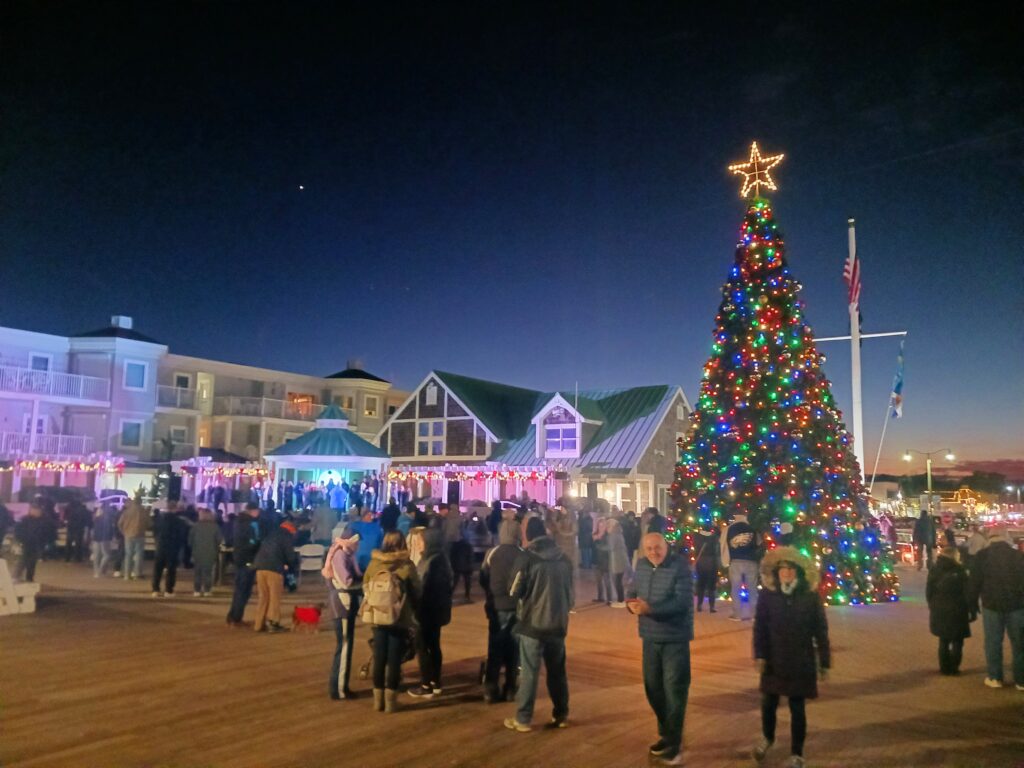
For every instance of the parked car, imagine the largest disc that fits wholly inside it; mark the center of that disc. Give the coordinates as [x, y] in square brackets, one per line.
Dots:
[113, 497]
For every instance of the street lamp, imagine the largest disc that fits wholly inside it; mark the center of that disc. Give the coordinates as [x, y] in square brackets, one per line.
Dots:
[1012, 488]
[928, 465]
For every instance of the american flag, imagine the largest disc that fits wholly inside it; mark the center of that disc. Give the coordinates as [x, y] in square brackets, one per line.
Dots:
[851, 274]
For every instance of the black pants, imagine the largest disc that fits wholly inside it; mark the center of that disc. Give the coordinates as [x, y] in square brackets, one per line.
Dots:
[951, 652]
[169, 561]
[388, 650]
[244, 579]
[428, 648]
[75, 545]
[341, 666]
[620, 595]
[707, 584]
[27, 564]
[797, 716]
[467, 577]
[502, 652]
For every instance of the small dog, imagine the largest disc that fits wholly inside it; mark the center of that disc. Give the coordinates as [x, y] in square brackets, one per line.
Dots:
[306, 618]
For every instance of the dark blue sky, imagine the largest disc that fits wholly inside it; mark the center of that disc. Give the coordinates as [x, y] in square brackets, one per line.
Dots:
[524, 194]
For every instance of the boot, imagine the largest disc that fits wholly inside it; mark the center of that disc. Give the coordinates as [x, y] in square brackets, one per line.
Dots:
[390, 700]
[378, 699]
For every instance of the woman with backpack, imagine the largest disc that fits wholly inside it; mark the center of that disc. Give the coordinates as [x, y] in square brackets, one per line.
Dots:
[433, 612]
[391, 594]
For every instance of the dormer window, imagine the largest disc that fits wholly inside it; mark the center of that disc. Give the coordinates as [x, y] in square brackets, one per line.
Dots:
[561, 434]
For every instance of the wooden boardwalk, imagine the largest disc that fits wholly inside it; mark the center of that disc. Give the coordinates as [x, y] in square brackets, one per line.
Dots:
[103, 676]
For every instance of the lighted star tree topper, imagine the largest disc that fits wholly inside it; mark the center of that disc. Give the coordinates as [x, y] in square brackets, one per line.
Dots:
[767, 439]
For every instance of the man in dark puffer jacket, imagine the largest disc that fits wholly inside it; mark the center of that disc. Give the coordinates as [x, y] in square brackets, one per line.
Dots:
[662, 597]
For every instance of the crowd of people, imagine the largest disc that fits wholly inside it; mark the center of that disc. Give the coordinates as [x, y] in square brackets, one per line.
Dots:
[396, 573]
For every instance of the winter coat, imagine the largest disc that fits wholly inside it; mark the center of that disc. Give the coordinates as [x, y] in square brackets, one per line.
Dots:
[78, 517]
[618, 557]
[705, 547]
[924, 530]
[452, 526]
[946, 592]
[104, 524]
[788, 629]
[370, 537]
[170, 531]
[324, 520]
[543, 586]
[586, 535]
[246, 539]
[389, 517]
[997, 578]
[668, 589]
[435, 572]
[276, 552]
[741, 540]
[399, 564]
[134, 521]
[497, 570]
[341, 564]
[32, 532]
[205, 539]
[567, 536]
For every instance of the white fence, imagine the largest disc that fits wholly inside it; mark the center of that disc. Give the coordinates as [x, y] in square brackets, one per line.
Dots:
[52, 384]
[265, 408]
[21, 444]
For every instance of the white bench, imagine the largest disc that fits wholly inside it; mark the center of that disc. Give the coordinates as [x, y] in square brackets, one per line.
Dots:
[15, 598]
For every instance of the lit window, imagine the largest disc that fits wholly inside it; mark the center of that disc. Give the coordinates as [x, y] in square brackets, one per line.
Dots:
[370, 406]
[131, 434]
[134, 375]
[422, 447]
[431, 395]
[560, 439]
[437, 429]
[437, 448]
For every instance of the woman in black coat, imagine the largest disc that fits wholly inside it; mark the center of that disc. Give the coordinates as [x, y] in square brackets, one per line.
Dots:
[434, 611]
[948, 609]
[789, 627]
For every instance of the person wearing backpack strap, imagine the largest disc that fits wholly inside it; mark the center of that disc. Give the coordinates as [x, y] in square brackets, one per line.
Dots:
[344, 583]
[391, 595]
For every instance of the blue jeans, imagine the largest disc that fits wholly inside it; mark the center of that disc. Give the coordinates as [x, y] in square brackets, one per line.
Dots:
[344, 634]
[134, 552]
[100, 557]
[667, 685]
[531, 651]
[996, 623]
[743, 573]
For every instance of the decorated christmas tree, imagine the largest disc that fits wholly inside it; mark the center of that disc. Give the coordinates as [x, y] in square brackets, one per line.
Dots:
[767, 439]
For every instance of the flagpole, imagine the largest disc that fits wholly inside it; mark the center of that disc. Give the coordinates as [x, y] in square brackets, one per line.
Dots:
[881, 440]
[858, 412]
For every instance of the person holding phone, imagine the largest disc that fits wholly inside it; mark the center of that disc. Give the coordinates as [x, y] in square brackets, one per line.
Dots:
[662, 596]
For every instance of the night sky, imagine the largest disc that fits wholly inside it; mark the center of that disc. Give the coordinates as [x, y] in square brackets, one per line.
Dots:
[528, 195]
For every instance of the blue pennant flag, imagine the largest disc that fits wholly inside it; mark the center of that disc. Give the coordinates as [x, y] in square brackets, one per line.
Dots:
[896, 402]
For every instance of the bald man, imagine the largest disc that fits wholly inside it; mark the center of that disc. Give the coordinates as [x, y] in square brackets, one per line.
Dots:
[662, 596]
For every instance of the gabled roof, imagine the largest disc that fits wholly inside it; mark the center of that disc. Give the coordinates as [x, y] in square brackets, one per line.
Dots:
[220, 456]
[356, 373]
[506, 411]
[329, 442]
[114, 332]
[629, 419]
[585, 406]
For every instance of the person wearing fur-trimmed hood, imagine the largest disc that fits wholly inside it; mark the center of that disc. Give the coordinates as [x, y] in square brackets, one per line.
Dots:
[791, 647]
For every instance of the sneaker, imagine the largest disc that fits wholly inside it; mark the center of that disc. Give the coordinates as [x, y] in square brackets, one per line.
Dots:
[658, 748]
[117, 574]
[514, 725]
[618, 605]
[761, 749]
[1019, 687]
[795, 761]
[734, 618]
[993, 683]
[273, 628]
[168, 594]
[435, 689]
[421, 692]
[155, 594]
[556, 723]
[673, 756]
[712, 610]
[200, 594]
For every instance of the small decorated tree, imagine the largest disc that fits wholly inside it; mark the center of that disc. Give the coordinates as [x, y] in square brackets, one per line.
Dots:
[767, 439]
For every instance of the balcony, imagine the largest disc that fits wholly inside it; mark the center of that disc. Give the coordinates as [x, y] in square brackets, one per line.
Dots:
[176, 397]
[179, 451]
[56, 385]
[265, 408]
[18, 444]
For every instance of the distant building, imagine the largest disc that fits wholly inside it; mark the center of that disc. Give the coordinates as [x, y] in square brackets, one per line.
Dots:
[458, 438]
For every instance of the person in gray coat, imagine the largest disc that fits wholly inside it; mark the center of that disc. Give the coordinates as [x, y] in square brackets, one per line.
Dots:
[662, 596]
[205, 539]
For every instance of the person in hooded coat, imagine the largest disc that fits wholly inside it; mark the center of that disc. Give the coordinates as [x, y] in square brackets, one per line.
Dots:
[948, 611]
[791, 647]
[496, 574]
[433, 612]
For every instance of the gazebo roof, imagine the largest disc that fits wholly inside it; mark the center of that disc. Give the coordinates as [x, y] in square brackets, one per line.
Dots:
[330, 438]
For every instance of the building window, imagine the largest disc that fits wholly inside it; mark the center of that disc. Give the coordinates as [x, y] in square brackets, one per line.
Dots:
[430, 438]
[182, 381]
[346, 402]
[131, 434]
[681, 412]
[680, 437]
[392, 409]
[39, 362]
[40, 424]
[179, 434]
[560, 439]
[135, 375]
[431, 394]
[371, 404]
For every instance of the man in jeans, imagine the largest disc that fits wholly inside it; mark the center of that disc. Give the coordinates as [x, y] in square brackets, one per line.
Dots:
[663, 599]
[739, 551]
[997, 579]
[245, 545]
[543, 586]
[133, 525]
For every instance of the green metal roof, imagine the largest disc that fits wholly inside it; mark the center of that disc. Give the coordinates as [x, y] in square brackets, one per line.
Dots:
[506, 411]
[329, 441]
[334, 412]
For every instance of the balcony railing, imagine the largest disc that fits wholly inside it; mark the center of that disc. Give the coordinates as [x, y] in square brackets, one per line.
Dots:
[20, 444]
[263, 407]
[52, 384]
[176, 397]
[179, 451]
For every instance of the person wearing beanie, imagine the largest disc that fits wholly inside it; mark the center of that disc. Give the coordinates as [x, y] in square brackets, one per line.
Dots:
[997, 582]
[496, 574]
[246, 537]
[275, 556]
[948, 611]
[543, 588]
[791, 647]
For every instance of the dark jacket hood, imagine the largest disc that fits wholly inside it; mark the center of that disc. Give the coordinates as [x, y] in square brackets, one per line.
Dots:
[433, 542]
[545, 548]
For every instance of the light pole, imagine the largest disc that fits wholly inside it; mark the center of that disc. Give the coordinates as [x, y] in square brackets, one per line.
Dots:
[928, 465]
[1012, 488]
